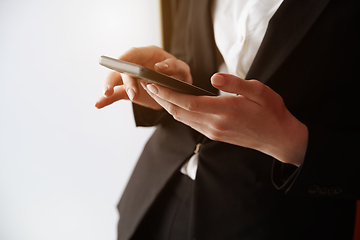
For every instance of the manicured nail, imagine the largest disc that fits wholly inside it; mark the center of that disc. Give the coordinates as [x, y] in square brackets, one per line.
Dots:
[218, 80]
[162, 65]
[143, 85]
[152, 88]
[131, 93]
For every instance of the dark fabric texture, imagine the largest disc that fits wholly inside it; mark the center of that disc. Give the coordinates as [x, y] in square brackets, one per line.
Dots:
[169, 216]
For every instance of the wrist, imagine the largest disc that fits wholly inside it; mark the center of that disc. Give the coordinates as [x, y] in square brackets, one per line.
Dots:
[291, 144]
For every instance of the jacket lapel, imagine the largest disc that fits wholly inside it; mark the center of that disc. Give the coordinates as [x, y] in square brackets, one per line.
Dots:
[286, 29]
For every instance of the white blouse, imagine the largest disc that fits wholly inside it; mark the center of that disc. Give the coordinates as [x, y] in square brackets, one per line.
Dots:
[239, 28]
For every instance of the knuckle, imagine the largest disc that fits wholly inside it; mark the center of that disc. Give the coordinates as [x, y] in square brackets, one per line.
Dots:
[154, 47]
[184, 66]
[129, 51]
[279, 100]
[134, 49]
[213, 135]
[191, 106]
[239, 85]
[177, 118]
[219, 126]
[216, 130]
[173, 111]
[128, 81]
[131, 54]
[183, 70]
[254, 81]
[258, 87]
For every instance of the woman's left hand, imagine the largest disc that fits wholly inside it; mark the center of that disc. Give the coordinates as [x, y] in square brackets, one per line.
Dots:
[255, 118]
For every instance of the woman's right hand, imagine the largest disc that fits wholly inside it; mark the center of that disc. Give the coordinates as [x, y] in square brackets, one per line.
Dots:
[118, 86]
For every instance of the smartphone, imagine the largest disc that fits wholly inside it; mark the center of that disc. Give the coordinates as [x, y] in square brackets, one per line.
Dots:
[151, 76]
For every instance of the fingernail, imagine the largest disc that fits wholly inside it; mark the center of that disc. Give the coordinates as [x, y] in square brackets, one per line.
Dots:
[152, 89]
[143, 85]
[131, 93]
[162, 65]
[218, 80]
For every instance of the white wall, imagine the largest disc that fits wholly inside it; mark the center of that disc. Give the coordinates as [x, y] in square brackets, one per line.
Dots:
[64, 163]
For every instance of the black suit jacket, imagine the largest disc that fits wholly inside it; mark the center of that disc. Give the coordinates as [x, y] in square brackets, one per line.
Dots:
[309, 56]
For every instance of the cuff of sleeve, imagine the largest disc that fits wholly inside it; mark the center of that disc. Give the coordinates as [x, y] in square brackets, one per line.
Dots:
[283, 175]
[146, 117]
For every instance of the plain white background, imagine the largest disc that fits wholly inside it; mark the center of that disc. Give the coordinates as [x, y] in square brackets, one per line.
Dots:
[63, 163]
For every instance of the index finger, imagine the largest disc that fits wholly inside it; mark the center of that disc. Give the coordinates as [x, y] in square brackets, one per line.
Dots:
[203, 104]
[111, 80]
[145, 56]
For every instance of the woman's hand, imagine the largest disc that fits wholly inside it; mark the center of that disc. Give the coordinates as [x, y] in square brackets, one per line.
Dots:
[255, 118]
[118, 86]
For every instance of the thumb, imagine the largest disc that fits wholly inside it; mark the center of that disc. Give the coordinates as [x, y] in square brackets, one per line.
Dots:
[251, 89]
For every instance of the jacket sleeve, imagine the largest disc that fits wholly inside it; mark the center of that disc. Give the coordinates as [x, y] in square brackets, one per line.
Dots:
[327, 105]
[146, 117]
[331, 167]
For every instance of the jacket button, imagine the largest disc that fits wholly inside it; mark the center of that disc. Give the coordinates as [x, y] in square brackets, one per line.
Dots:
[197, 148]
[313, 189]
